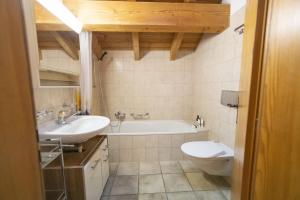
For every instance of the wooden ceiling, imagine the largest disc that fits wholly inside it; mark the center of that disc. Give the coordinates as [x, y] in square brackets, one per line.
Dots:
[64, 40]
[175, 1]
[122, 40]
[147, 41]
[179, 28]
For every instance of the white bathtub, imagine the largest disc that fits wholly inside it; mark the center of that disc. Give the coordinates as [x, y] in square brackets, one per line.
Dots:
[149, 127]
[151, 140]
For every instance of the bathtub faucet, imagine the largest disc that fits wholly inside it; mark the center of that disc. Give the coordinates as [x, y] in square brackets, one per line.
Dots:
[140, 116]
[120, 116]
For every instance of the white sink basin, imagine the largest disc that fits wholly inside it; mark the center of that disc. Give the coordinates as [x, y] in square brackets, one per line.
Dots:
[78, 130]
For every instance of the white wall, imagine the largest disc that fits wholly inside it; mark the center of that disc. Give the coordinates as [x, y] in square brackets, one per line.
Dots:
[216, 67]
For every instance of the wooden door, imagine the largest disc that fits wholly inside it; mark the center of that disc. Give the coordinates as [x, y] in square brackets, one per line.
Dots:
[20, 175]
[253, 49]
[277, 167]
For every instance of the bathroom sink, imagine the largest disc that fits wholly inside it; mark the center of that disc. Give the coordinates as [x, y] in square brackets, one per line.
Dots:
[78, 130]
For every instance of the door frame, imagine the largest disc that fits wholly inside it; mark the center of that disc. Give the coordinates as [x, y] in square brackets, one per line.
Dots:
[250, 90]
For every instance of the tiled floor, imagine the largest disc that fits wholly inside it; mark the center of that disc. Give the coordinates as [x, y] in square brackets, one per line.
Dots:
[164, 180]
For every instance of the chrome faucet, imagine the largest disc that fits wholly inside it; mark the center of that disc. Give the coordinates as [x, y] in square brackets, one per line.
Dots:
[120, 116]
[140, 116]
[62, 118]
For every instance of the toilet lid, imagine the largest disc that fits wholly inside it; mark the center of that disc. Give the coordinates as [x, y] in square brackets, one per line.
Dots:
[203, 149]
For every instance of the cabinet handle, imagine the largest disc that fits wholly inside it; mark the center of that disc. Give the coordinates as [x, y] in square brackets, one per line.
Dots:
[96, 163]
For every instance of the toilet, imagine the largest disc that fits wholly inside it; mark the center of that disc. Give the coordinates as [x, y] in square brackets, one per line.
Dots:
[212, 157]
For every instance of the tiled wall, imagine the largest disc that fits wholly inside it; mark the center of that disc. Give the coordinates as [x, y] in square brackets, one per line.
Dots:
[153, 84]
[150, 147]
[217, 64]
[53, 99]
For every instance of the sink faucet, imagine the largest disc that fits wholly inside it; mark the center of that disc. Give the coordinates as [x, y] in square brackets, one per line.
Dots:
[62, 118]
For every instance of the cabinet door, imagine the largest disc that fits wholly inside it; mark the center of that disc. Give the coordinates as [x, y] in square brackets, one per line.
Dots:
[105, 162]
[93, 177]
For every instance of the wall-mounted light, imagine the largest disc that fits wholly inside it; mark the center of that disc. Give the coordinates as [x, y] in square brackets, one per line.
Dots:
[57, 8]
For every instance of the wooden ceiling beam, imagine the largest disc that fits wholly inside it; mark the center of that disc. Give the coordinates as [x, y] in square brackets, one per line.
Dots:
[122, 16]
[136, 45]
[176, 45]
[96, 46]
[66, 45]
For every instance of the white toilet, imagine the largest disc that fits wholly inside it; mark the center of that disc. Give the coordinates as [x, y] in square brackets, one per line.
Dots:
[212, 157]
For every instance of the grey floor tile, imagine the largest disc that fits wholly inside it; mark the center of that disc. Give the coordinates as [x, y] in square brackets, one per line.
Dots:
[176, 183]
[156, 196]
[209, 195]
[120, 197]
[227, 194]
[151, 184]
[219, 181]
[113, 167]
[200, 181]
[128, 168]
[189, 166]
[168, 167]
[108, 186]
[181, 196]
[125, 185]
[150, 168]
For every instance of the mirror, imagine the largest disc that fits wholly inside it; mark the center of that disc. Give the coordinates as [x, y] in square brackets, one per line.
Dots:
[59, 58]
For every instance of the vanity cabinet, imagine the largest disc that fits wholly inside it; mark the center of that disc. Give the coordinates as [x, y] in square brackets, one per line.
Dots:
[87, 172]
[96, 173]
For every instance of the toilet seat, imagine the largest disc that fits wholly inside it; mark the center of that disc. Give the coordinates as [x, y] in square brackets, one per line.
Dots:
[206, 149]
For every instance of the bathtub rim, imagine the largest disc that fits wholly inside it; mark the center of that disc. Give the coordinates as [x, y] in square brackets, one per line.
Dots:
[196, 130]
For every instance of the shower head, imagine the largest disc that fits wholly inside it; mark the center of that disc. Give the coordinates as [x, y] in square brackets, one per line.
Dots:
[103, 55]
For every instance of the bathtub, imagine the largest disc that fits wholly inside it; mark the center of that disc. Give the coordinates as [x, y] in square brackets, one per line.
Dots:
[149, 127]
[151, 140]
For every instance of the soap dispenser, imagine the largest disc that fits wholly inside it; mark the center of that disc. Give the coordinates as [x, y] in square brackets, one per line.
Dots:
[198, 119]
[197, 123]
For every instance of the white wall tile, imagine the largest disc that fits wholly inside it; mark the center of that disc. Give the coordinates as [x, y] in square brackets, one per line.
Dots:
[114, 155]
[151, 141]
[139, 142]
[177, 140]
[125, 142]
[126, 155]
[152, 154]
[217, 63]
[114, 142]
[164, 140]
[154, 77]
